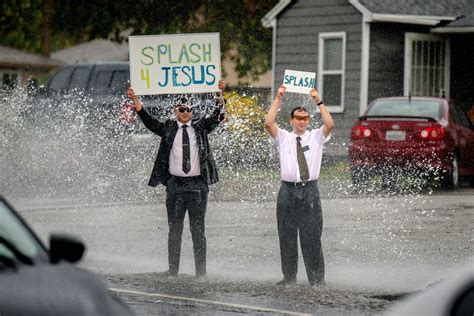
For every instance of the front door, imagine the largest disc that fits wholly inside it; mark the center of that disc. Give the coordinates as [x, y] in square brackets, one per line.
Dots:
[427, 64]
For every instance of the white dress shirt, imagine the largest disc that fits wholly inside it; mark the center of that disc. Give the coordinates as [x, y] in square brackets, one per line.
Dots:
[176, 155]
[312, 142]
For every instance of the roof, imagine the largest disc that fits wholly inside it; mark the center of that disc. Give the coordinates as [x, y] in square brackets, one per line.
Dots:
[446, 15]
[464, 24]
[95, 50]
[418, 7]
[268, 19]
[15, 58]
[450, 13]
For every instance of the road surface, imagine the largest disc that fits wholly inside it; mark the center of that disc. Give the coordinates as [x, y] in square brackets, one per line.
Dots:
[378, 248]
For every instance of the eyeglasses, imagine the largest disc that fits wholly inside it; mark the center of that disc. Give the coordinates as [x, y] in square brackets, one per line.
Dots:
[183, 109]
[301, 118]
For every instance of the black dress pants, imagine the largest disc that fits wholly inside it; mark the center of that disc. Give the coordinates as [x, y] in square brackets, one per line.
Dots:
[299, 211]
[187, 194]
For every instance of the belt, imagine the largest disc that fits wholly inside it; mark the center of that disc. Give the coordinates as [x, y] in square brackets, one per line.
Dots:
[184, 179]
[299, 184]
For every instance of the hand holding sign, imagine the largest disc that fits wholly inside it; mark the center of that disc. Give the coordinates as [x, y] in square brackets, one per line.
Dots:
[299, 81]
[315, 95]
[136, 101]
[220, 97]
[281, 91]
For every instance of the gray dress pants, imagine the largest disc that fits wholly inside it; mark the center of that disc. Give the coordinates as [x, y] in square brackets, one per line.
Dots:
[187, 194]
[299, 212]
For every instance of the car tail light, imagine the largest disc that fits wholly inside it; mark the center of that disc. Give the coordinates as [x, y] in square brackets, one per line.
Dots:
[432, 133]
[360, 131]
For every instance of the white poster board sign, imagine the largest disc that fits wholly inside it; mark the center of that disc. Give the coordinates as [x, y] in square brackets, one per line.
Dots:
[299, 81]
[178, 63]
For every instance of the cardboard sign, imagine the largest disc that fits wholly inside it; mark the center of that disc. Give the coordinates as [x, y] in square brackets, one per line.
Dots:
[299, 81]
[179, 63]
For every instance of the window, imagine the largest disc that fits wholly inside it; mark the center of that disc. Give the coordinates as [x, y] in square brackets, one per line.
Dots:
[426, 65]
[331, 69]
[16, 233]
[119, 82]
[10, 79]
[60, 81]
[79, 79]
[102, 82]
[459, 116]
[406, 108]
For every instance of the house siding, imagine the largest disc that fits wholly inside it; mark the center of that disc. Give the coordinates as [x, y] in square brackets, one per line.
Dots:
[298, 28]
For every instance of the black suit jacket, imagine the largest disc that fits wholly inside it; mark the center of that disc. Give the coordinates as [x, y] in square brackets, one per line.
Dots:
[167, 131]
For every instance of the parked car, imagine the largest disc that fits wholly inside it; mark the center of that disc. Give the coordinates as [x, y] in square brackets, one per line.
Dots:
[95, 93]
[38, 281]
[418, 135]
[453, 296]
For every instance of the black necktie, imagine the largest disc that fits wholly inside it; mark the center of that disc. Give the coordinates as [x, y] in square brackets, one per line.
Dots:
[186, 151]
[302, 164]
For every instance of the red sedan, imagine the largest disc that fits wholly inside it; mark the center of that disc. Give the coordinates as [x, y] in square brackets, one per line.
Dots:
[420, 135]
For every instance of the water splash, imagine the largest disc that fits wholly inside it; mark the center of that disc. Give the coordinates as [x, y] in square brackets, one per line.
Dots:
[77, 147]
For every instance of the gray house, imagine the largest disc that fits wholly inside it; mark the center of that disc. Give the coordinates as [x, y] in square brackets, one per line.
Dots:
[18, 67]
[365, 49]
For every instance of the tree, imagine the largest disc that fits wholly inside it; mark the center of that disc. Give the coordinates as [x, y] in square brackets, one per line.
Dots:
[20, 23]
[238, 22]
[42, 26]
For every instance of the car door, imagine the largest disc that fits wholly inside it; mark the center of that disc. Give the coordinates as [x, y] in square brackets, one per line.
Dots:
[465, 140]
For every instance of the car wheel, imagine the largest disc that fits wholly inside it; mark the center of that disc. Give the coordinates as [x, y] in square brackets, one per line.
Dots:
[469, 180]
[451, 178]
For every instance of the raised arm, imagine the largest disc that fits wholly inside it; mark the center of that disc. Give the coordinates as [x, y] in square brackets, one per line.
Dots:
[150, 122]
[270, 124]
[217, 115]
[327, 119]
[136, 101]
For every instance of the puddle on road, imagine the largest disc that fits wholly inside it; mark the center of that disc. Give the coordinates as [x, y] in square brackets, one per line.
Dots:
[329, 300]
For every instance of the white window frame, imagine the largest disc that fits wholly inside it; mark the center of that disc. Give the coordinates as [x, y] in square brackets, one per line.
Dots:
[321, 72]
[10, 72]
[409, 39]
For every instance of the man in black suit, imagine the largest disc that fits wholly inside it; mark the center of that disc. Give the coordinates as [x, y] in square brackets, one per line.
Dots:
[186, 166]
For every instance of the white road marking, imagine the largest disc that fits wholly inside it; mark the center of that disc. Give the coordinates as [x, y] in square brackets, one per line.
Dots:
[197, 300]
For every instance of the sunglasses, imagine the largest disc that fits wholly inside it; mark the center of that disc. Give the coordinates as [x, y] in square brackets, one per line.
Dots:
[183, 109]
[301, 118]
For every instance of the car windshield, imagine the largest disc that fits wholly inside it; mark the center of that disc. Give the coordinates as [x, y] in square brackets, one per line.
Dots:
[13, 232]
[425, 108]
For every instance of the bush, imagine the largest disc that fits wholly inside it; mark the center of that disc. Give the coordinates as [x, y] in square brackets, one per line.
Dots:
[243, 142]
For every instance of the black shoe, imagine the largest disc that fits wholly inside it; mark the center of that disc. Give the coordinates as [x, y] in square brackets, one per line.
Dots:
[201, 277]
[317, 285]
[286, 282]
[170, 274]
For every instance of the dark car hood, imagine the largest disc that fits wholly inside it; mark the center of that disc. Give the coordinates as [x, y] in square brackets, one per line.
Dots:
[60, 289]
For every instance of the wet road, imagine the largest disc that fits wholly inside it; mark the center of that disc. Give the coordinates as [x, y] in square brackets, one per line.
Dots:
[377, 249]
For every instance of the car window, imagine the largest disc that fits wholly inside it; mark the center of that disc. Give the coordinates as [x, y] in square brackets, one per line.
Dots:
[13, 230]
[119, 82]
[459, 116]
[424, 108]
[79, 79]
[102, 82]
[60, 80]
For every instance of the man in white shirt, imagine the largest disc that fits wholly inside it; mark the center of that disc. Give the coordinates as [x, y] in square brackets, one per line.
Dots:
[299, 205]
